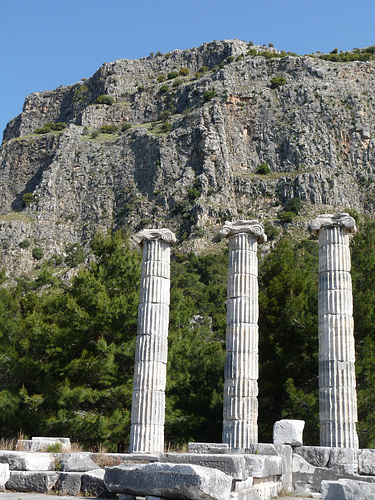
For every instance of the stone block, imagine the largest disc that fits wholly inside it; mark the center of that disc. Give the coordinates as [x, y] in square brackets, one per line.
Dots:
[38, 481]
[288, 432]
[93, 484]
[262, 449]
[286, 454]
[347, 489]
[343, 460]
[24, 460]
[77, 462]
[208, 448]
[4, 475]
[366, 462]
[318, 456]
[231, 465]
[69, 483]
[42, 444]
[263, 465]
[169, 480]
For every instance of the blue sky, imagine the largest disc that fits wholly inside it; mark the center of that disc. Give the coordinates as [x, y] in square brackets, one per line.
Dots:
[47, 43]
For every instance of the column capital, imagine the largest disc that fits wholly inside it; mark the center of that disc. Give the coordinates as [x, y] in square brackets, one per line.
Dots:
[244, 226]
[154, 234]
[329, 221]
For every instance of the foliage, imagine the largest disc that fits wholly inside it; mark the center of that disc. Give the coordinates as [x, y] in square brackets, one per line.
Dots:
[164, 115]
[164, 89]
[28, 199]
[263, 169]
[293, 205]
[50, 127]
[366, 54]
[24, 243]
[104, 99]
[37, 253]
[277, 81]
[74, 255]
[109, 129]
[184, 71]
[286, 217]
[229, 59]
[125, 126]
[166, 126]
[161, 78]
[209, 94]
[172, 74]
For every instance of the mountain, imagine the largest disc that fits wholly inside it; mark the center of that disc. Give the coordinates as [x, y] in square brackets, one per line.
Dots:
[188, 140]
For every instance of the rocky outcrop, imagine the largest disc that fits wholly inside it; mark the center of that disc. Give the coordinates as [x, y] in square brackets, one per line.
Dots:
[191, 158]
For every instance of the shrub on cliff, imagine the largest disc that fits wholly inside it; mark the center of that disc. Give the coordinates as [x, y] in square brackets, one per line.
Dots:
[104, 99]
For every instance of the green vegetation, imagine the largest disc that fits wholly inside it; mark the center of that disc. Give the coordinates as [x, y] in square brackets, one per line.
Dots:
[125, 126]
[85, 390]
[28, 199]
[263, 169]
[109, 129]
[184, 71]
[104, 99]
[172, 74]
[164, 89]
[277, 81]
[24, 243]
[367, 54]
[50, 127]
[161, 78]
[209, 94]
[37, 253]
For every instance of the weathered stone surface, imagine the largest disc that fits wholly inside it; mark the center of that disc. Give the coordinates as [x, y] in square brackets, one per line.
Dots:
[27, 461]
[346, 489]
[263, 465]
[69, 483]
[288, 432]
[240, 410]
[38, 481]
[337, 390]
[366, 462]
[77, 462]
[42, 444]
[4, 475]
[148, 402]
[231, 465]
[318, 456]
[169, 480]
[212, 448]
[93, 484]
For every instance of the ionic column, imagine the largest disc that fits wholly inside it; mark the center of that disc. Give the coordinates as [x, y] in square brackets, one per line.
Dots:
[148, 404]
[337, 387]
[240, 425]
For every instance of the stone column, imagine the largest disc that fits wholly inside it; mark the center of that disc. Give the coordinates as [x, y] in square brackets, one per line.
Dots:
[337, 388]
[148, 404]
[240, 425]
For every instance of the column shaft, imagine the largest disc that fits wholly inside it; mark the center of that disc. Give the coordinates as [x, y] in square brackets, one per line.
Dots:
[148, 403]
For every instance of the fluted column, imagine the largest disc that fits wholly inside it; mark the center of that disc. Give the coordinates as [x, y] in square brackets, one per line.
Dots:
[240, 422]
[337, 387]
[148, 404]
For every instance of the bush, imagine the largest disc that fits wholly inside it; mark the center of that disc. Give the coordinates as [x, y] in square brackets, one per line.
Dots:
[125, 126]
[75, 255]
[164, 115]
[271, 231]
[208, 95]
[94, 134]
[184, 71]
[24, 243]
[166, 126]
[109, 129]
[54, 448]
[164, 89]
[230, 59]
[37, 253]
[203, 69]
[263, 169]
[161, 78]
[287, 216]
[294, 205]
[28, 199]
[177, 83]
[172, 74]
[277, 81]
[104, 99]
[50, 127]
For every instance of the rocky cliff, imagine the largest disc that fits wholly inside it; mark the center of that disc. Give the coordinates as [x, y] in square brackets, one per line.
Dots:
[187, 140]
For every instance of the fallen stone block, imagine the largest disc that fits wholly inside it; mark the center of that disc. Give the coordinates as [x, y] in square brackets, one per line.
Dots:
[262, 449]
[4, 475]
[23, 460]
[170, 481]
[212, 448]
[343, 460]
[38, 481]
[77, 462]
[288, 432]
[42, 444]
[314, 455]
[347, 489]
[69, 483]
[366, 462]
[232, 465]
[93, 484]
[263, 465]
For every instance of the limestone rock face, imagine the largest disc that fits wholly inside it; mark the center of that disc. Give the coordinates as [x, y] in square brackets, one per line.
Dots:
[316, 134]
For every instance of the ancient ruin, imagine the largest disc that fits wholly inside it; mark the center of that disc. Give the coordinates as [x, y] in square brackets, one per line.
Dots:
[240, 422]
[337, 388]
[148, 404]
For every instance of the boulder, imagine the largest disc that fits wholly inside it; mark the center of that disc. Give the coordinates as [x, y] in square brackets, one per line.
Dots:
[77, 462]
[93, 484]
[69, 483]
[366, 462]
[38, 481]
[347, 489]
[288, 432]
[23, 460]
[4, 475]
[169, 480]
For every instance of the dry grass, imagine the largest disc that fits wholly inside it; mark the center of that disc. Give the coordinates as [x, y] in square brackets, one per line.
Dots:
[8, 444]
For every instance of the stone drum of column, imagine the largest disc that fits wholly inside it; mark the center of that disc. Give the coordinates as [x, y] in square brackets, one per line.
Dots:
[337, 387]
[148, 404]
[240, 422]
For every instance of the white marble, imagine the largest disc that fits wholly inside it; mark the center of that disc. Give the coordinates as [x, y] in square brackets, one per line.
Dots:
[240, 422]
[337, 387]
[150, 369]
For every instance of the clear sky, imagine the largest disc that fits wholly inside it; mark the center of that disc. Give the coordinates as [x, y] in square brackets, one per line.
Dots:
[47, 43]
